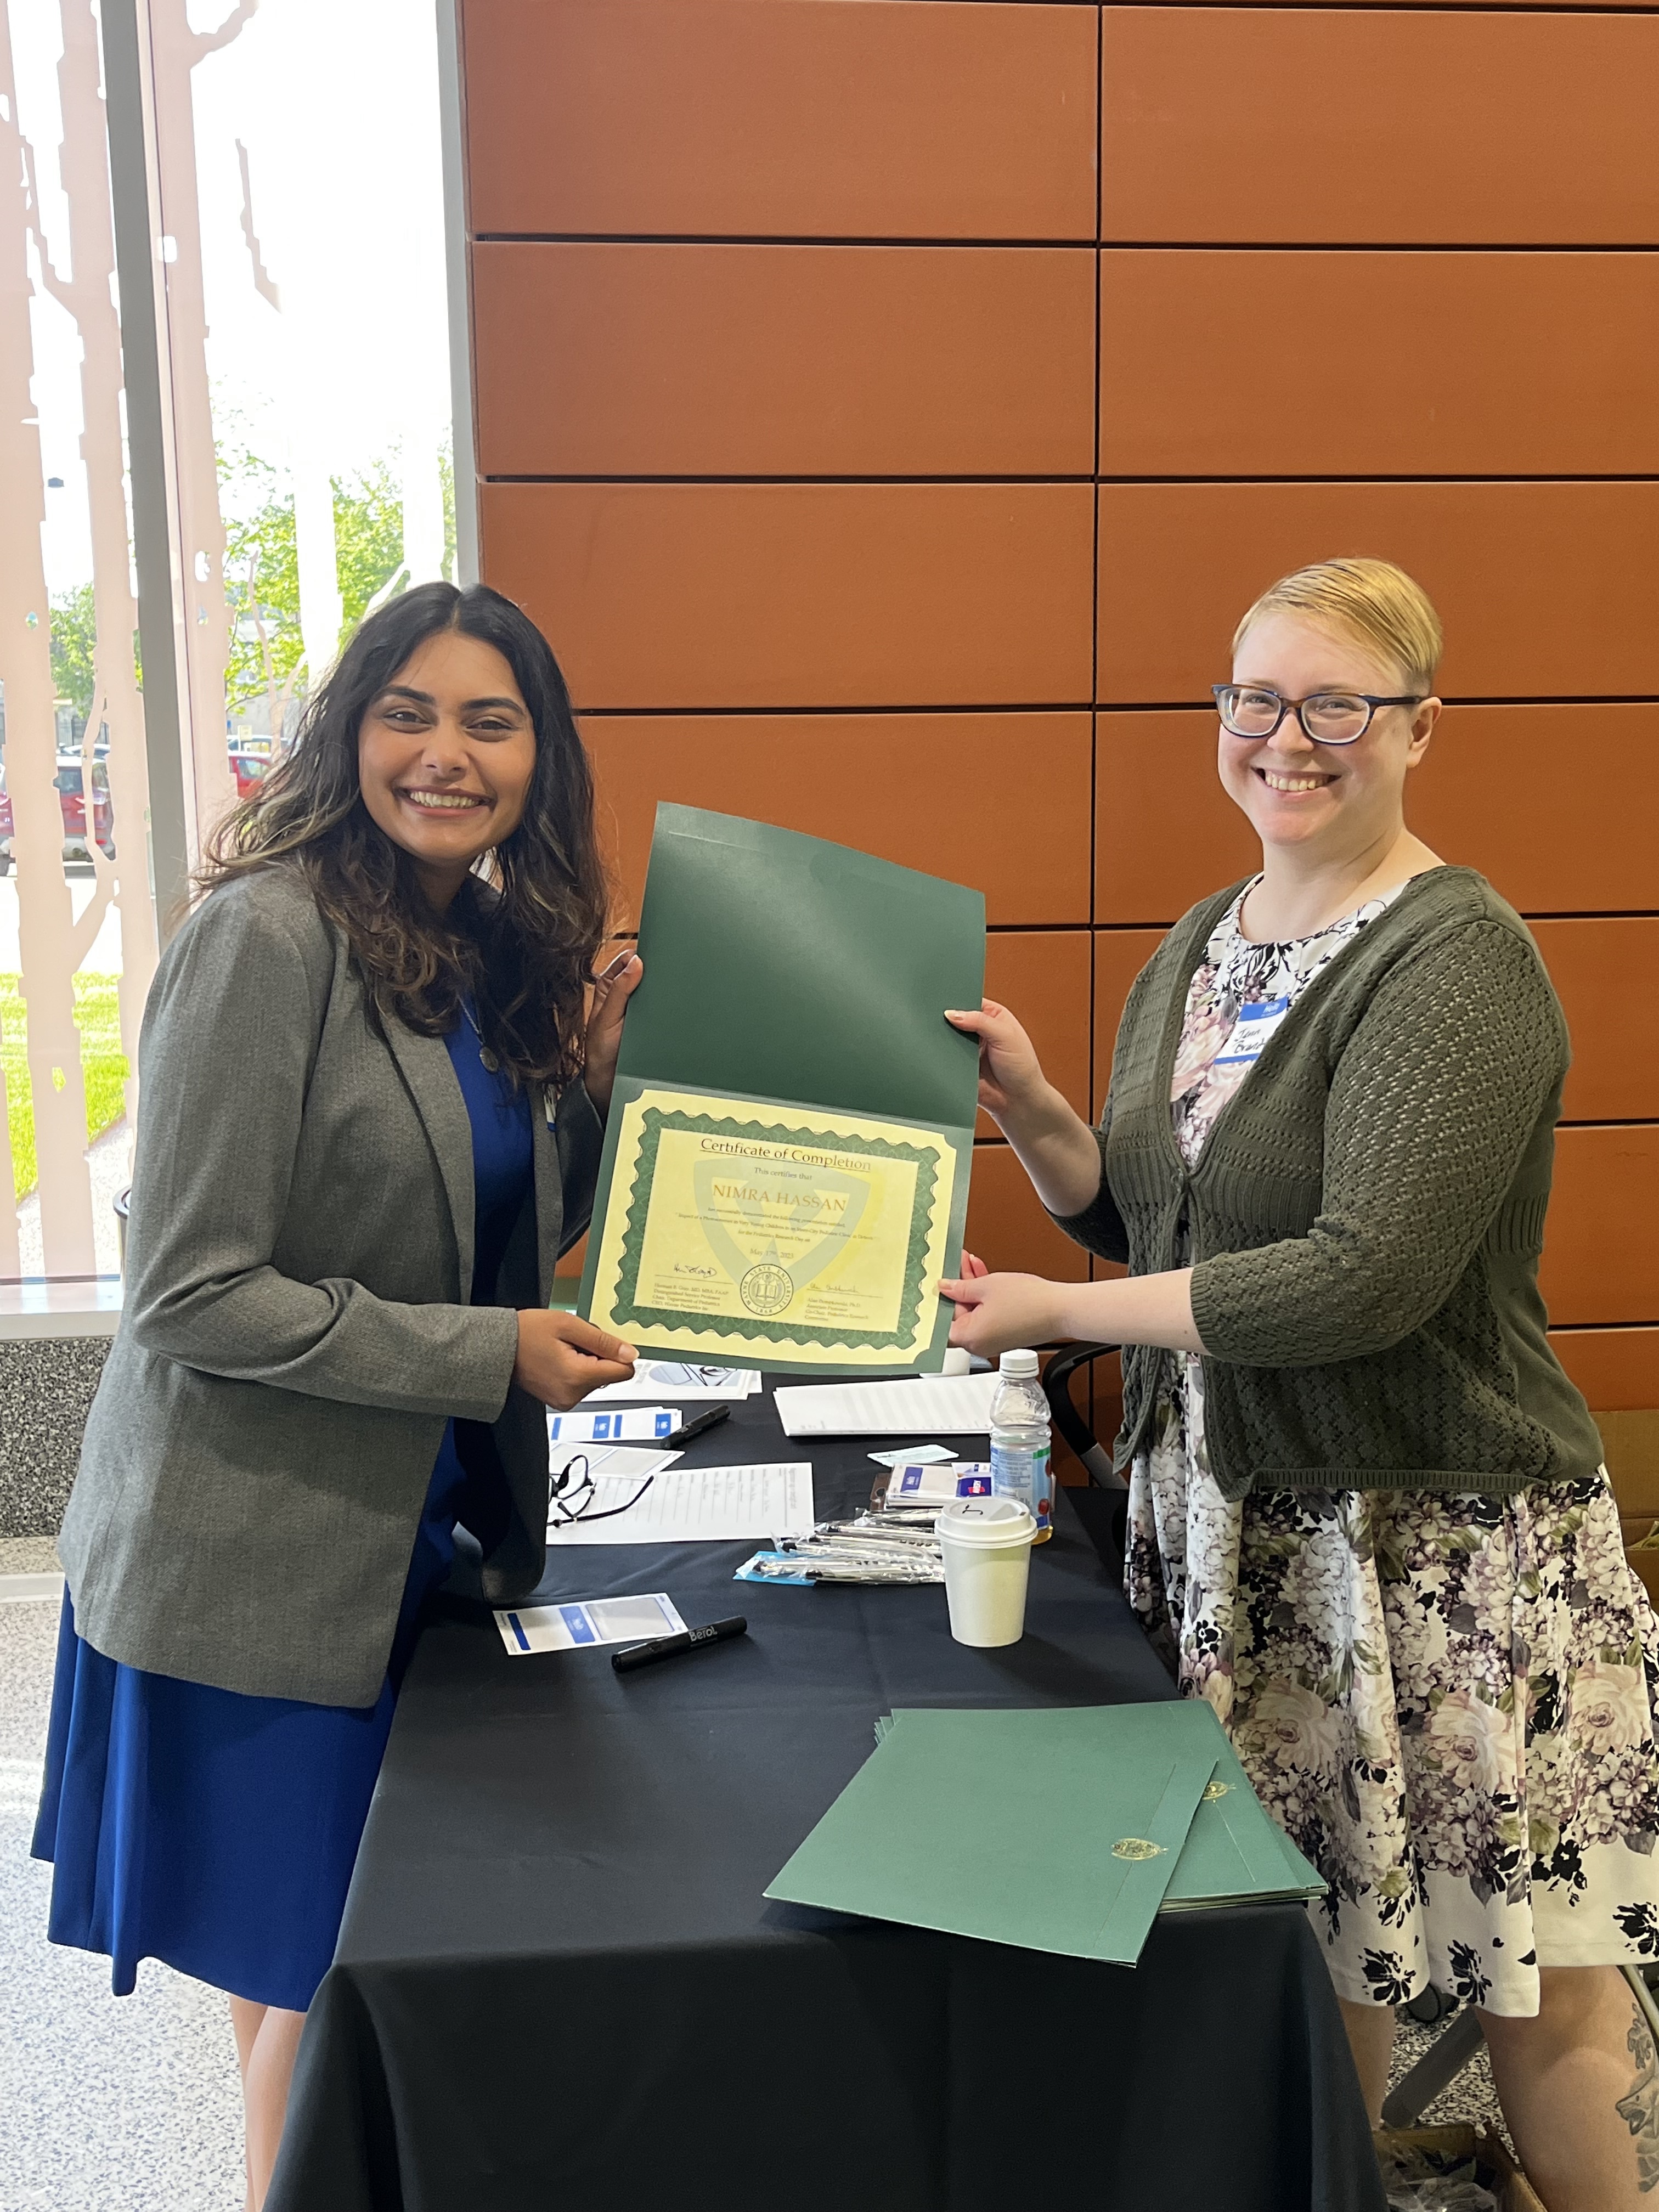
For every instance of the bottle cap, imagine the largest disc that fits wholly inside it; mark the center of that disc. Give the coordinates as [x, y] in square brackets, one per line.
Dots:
[1022, 1366]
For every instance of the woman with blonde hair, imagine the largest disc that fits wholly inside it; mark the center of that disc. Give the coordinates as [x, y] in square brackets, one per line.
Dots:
[1367, 1517]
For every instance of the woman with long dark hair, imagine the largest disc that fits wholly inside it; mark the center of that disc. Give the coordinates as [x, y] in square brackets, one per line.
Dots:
[373, 1094]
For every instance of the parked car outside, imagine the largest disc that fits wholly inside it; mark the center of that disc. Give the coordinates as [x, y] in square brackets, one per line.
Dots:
[72, 803]
[249, 768]
[72, 806]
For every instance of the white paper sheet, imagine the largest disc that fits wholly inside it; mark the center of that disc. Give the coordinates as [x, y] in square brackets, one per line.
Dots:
[912, 1454]
[579, 1626]
[624, 1467]
[681, 1385]
[622, 1425]
[933, 1405]
[698, 1504]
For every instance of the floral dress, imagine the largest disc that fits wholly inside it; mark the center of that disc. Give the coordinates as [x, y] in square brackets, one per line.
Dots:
[1446, 1701]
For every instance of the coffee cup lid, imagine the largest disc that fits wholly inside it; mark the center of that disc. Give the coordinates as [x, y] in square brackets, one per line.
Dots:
[990, 1521]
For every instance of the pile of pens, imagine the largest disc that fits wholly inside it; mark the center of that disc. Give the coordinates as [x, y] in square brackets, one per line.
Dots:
[871, 1547]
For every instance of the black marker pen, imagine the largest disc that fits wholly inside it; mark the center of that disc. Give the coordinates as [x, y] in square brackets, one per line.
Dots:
[690, 1639]
[695, 1426]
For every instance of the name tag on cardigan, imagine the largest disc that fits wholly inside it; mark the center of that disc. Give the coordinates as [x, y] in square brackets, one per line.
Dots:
[1257, 1020]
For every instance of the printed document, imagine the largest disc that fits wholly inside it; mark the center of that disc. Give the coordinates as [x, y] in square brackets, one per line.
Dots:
[934, 1405]
[685, 1386]
[578, 1469]
[694, 1505]
[733, 1224]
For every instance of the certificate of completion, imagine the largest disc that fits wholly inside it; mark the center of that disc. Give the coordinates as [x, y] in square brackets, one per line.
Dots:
[744, 1230]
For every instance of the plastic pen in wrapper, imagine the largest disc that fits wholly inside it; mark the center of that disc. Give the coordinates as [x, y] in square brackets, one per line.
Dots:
[863, 1551]
[850, 1567]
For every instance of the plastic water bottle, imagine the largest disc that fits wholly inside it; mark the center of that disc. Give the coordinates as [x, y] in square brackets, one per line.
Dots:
[1020, 1464]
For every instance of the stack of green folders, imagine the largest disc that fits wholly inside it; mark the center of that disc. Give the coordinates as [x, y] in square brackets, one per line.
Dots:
[1064, 1829]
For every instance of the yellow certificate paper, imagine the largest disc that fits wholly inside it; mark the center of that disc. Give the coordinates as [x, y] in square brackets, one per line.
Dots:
[735, 1229]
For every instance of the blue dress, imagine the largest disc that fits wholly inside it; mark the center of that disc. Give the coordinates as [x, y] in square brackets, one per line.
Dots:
[215, 1832]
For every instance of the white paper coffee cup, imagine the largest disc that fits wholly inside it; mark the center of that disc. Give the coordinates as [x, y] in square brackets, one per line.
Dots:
[987, 1543]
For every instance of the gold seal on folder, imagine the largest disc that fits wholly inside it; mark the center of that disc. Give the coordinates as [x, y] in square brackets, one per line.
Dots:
[1136, 1847]
[1214, 1790]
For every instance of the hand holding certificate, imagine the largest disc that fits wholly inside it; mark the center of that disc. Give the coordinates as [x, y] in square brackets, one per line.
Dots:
[786, 1167]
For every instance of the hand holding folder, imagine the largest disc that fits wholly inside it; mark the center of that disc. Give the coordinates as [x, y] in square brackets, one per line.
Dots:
[785, 1176]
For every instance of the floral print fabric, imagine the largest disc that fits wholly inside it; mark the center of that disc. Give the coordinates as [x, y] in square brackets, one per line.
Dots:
[1235, 1002]
[1446, 1701]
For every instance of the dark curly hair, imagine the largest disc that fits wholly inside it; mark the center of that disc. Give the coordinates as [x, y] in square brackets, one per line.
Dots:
[521, 937]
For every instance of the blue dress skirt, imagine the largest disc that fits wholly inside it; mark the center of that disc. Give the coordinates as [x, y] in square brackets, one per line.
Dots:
[215, 1832]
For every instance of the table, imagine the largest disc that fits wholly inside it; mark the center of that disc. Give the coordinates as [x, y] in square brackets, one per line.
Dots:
[559, 1988]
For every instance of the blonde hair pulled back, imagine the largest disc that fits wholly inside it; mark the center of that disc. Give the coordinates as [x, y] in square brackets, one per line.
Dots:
[1372, 602]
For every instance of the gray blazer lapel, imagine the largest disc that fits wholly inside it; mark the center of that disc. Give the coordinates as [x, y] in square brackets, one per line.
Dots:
[549, 1187]
[437, 1095]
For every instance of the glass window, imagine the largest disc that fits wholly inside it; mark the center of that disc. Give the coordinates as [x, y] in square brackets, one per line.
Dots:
[297, 238]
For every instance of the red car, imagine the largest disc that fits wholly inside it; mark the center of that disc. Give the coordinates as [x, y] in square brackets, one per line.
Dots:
[250, 770]
[72, 805]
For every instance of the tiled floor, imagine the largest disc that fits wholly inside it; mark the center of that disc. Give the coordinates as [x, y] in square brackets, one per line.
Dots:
[106, 2105]
[1470, 2097]
[26, 1555]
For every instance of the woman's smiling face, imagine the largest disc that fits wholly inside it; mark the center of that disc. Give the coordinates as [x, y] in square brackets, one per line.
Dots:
[1312, 797]
[445, 757]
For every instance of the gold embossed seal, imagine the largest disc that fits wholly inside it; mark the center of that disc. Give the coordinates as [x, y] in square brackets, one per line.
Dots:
[766, 1289]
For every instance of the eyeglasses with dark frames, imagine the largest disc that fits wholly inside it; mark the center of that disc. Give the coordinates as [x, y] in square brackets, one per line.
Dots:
[1329, 718]
[572, 1496]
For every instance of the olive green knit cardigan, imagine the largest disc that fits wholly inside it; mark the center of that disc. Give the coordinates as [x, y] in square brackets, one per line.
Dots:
[1367, 1214]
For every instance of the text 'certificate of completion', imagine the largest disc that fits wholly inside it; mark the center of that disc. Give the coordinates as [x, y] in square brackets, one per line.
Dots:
[741, 1230]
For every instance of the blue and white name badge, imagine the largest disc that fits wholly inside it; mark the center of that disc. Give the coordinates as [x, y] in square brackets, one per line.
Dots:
[532, 1628]
[1257, 1020]
[936, 1485]
[632, 1425]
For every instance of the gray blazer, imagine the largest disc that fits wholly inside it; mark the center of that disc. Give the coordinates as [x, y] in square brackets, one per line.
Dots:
[297, 1327]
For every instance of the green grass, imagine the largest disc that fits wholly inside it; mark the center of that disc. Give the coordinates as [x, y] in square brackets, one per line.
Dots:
[103, 1065]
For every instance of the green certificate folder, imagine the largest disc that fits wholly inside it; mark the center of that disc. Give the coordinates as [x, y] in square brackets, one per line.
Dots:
[1235, 1853]
[786, 1158]
[1056, 1830]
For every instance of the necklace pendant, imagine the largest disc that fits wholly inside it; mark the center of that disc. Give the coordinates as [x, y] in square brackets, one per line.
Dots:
[491, 1064]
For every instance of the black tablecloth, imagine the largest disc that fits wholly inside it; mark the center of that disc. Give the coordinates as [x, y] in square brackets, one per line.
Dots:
[558, 1985]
